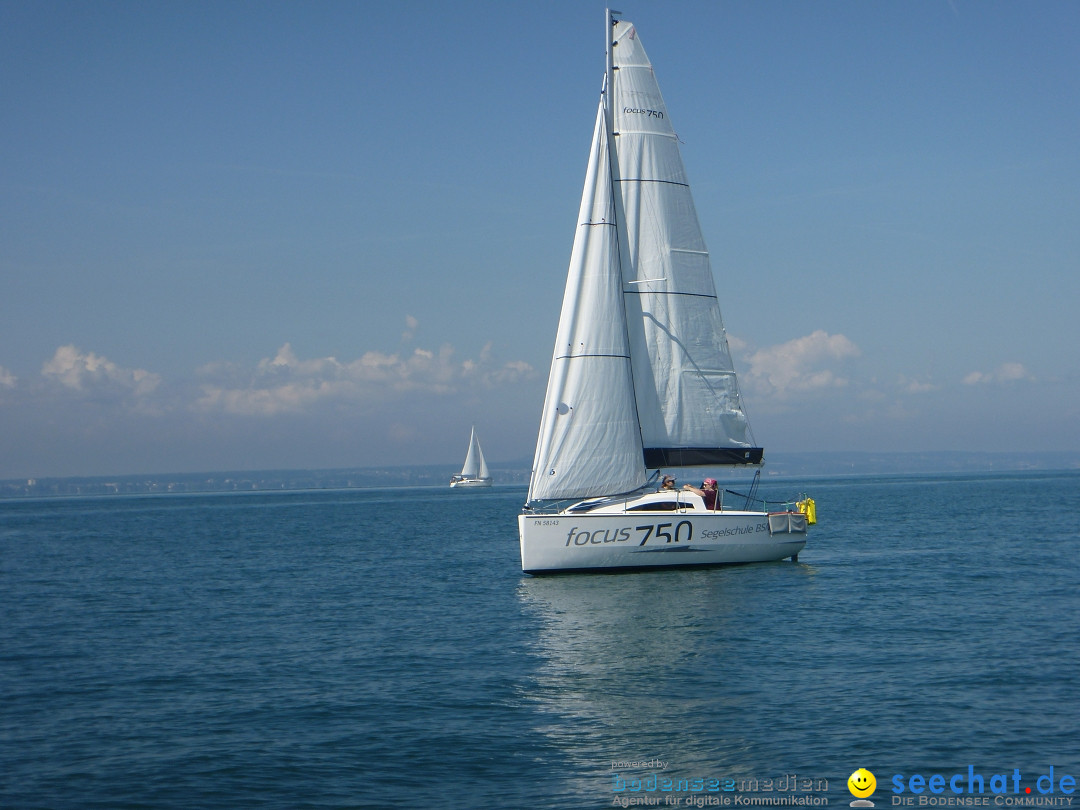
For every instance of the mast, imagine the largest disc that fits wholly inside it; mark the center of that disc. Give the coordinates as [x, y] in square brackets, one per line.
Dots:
[622, 246]
[609, 77]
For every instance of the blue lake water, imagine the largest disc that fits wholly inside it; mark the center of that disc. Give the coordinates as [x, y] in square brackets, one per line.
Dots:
[379, 648]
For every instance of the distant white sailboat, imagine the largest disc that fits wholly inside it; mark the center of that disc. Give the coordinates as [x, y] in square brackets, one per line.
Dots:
[642, 378]
[474, 473]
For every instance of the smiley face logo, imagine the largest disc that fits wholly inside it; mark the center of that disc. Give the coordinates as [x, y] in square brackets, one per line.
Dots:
[861, 783]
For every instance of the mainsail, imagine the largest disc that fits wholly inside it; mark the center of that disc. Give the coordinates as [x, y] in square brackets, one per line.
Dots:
[687, 395]
[641, 375]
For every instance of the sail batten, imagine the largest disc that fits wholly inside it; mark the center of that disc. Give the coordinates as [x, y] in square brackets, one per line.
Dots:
[672, 292]
[581, 356]
[647, 180]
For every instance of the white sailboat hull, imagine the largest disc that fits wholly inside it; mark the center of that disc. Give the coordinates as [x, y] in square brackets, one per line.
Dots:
[563, 541]
[470, 482]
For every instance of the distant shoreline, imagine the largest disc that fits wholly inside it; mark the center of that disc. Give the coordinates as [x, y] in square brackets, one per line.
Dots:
[777, 466]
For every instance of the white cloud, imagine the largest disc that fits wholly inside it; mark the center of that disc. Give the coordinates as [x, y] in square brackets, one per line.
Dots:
[736, 344]
[410, 328]
[287, 384]
[1005, 373]
[914, 386]
[800, 365]
[87, 371]
[512, 372]
[7, 379]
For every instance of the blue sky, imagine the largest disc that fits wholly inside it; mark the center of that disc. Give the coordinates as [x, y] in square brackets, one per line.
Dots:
[325, 234]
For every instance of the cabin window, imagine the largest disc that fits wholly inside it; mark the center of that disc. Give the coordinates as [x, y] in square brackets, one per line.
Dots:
[658, 506]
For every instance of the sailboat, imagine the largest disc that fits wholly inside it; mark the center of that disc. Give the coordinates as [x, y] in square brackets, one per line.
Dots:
[474, 473]
[642, 379]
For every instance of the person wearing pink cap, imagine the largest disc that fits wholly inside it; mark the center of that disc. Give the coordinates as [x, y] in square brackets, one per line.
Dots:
[707, 492]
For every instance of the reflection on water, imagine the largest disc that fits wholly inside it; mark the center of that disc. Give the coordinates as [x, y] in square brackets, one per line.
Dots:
[652, 665]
